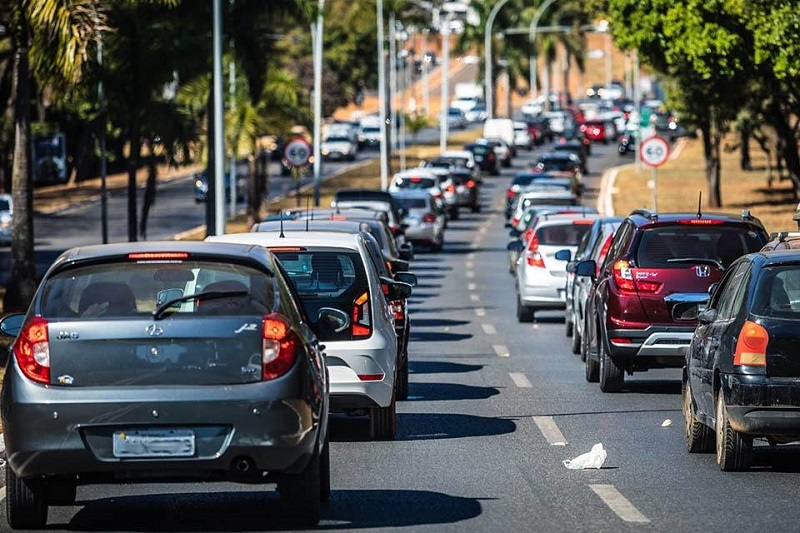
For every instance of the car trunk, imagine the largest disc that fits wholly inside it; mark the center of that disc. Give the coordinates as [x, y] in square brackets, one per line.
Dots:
[214, 350]
[666, 293]
[783, 349]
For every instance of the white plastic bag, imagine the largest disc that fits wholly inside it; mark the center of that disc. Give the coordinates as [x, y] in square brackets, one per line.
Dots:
[592, 459]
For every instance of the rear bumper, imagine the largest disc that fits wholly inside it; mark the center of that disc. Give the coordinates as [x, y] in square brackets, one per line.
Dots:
[662, 345]
[760, 405]
[543, 291]
[423, 233]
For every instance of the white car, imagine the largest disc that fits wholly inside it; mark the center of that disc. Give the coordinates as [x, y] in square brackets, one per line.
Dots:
[541, 271]
[337, 148]
[522, 138]
[6, 218]
[424, 218]
[333, 270]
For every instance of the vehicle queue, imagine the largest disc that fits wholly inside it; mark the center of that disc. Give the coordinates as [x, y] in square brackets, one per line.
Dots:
[230, 354]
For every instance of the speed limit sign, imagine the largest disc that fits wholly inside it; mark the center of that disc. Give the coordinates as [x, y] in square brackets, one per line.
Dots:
[655, 151]
[297, 152]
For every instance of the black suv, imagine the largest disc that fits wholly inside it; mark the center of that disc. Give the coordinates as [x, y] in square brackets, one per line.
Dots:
[642, 309]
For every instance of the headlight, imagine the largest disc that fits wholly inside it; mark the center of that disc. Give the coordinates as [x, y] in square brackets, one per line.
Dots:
[325, 151]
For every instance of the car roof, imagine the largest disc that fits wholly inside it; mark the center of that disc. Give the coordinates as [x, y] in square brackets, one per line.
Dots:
[344, 213]
[555, 155]
[563, 219]
[343, 226]
[294, 238]
[643, 217]
[784, 240]
[416, 172]
[777, 257]
[457, 153]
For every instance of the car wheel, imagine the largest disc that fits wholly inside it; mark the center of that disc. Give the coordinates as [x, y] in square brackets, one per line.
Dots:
[569, 328]
[437, 246]
[454, 213]
[325, 471]
[576, 341]
[699, 438]
[383, 420]
[734, 450]
[402, 387]
[524, 312]
[584, 342]
[592, 369]
[476, 208]
[303, 491]
[612, 377]
[26, 506]
[496, 172]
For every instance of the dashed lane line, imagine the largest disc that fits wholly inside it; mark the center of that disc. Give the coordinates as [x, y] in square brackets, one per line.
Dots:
[520, 380]
[472, 286]
[550, 430]
[619, 504]
[475, 297]
[471, 255]
[489, 329]
[469, 264]
[469, 274]
[480, 311]
[501, 350]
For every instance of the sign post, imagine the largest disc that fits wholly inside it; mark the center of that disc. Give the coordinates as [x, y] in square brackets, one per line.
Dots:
[296, 155]
[654, 152]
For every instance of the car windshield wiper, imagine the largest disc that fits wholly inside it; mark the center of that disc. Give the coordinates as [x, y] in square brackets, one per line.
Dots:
[210, 295]
[703, 260]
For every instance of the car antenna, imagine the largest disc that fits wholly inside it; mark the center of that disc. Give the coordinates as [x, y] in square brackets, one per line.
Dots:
[308, 209]
[699, 203]
[282, 236]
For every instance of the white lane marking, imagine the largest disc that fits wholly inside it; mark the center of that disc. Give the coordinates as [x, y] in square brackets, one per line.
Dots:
[619, 503]
[489, 329]
[475, 297]
[471, 255]
[480, 311]
[536, 326]
[520, 380]
[469, 264]
[501, 350]
[470, 274]
[483, 229]
[3, 492]
[472, 286]
[550, 430]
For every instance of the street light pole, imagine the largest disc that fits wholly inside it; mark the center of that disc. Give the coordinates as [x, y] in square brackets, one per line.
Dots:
[445, 95]
[532, 59]
[487, 51]
[382, 100]
[219, 125]
[393, 80]
[318, 103]
[101, 98]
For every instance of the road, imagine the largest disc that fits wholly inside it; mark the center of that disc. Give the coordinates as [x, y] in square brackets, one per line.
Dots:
[495, 407]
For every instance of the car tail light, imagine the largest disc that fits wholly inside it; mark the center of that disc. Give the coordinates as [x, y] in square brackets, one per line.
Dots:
[528, 235]
[510, 193]
[490, 156]
[624, 278]
[621, 340]
[583, 222]
[701, 221]
[532, 256]
[470, 184]
[437, 195]
[430, 218]
[32, 350]
[280, 347]
[397, 309]
[362, 322]
[451, 188]
[157, 256]
[415, 179]
[751, 348]
[514, 221]
[395, 229]
[604, 252]
[370, 377]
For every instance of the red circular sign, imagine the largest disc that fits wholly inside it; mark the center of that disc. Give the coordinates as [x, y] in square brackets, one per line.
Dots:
[655, 151]
[297, 152]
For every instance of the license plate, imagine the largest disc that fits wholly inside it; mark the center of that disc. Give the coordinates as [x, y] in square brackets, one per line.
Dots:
[153, 443]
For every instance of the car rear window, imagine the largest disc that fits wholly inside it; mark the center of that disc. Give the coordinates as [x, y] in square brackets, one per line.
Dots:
[5, 205]
[130, 289]
[480, 149]
[414, 183]
[778, 292]
[555, 164]
[412, 203]
[569, 234]
[326, 278]
[664, 247]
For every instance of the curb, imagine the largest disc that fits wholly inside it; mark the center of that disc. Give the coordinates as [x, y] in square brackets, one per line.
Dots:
[605, 205]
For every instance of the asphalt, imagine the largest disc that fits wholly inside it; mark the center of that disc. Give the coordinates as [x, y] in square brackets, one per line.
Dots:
[495, 407]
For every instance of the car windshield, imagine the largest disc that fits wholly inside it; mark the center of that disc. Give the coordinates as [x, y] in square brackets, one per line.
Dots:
[412, 203]
[778, 292]
[130, 289]
[666, 247]
[5, 205]
[562, 235]
[480, 149]
[337, 140]
[414, 183]
[371, 130]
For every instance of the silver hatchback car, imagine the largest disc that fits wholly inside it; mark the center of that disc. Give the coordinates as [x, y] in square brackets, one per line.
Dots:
[164, 362]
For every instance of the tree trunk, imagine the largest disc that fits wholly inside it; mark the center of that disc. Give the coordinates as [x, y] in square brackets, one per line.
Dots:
[787, 144]
[22, 280]
[133, 164]
[565, 73]
[744, 149]
[711, 152]
[257, 186]
[149, 192]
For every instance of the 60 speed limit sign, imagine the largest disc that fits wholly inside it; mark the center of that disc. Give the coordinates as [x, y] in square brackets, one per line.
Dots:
[297, 152]
[655, 151]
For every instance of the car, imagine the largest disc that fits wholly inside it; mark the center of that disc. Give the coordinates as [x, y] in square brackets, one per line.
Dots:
[541, 272]
[333, 271]
[420, 178]
[783, 240]
[557, 192]
[594, 245]
[477, 113]
[464, 188]
[6, 218]
[201, 187]
[520, 181]
[741, 378]
[595, 131]
[561, 164]
[501, 149]
[169, 362]
[369, 136]
[627, 143]
[500, 128]
[485, 157]
[456, 119]
[384, 264]
[540, 129]
[660, 265]
[371, 195]
[576, 148]
[424, 218]
[380, 206]
[461, 158]
[338, 148]
[522, 137]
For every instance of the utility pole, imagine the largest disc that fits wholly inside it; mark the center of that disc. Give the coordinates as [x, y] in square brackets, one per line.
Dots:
[219, 125]
[445, 94]
[317, 34]
[637, 102]
[382, 100]
[487, 51]
[101, 98]
[234, 189]
[393, 79]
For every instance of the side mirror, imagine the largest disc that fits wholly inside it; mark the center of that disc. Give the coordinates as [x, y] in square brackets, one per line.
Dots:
[406, 251]
[713, 288]
[406, 277]
[571, 267]
[395, 290]
[514, 233]
[707, 316]
[11, 324]
[586, 269]
[563, 255]
[334, 319]
[515, 246]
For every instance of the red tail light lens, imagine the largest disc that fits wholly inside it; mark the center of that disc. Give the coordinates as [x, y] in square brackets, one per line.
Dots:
[701, 222]
[157, 256]
[490, 156]
[751, 348]
[623, 276]
[397, 309]
[429, 218]
[451, 188]
[362, 321]
[32, 350]
[470, 184]
[514, 221]
[370, 377]
[510, 194]
[583, 222]
[280, 347]
[528, 235]
[532, 256]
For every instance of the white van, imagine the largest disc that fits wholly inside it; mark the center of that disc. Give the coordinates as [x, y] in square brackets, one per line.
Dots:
[500, 128]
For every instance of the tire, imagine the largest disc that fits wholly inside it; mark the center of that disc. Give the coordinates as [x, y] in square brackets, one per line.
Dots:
[303, 491]
[454, 214]
[699, 437]
[612, 377]
[576, 342]
[402, 385]
[325, 471]
[26, 504]
[569, 327]
[383, 421]
[734, 450]
[592, 370]
[437, 246]
[524, 313]
[476, 208]
[584, 342]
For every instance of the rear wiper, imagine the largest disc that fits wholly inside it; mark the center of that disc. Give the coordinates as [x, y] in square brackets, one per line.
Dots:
[210, 295]
[703, 260]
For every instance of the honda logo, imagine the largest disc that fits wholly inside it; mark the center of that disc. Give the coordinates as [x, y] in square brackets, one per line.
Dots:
[702, 271]
[154, 330]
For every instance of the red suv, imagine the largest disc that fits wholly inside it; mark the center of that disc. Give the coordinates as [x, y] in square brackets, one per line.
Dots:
[641, 311]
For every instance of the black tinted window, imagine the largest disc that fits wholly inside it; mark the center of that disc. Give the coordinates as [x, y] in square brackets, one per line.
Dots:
[414, 183]
[567, 234]
[555, 164]
[412, 203]
[664, 247]
[778, 292]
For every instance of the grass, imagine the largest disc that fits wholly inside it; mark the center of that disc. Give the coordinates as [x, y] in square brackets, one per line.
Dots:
[680, 180]
[366, 176]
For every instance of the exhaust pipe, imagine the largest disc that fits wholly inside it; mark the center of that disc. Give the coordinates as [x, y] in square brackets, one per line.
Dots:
[242, 465]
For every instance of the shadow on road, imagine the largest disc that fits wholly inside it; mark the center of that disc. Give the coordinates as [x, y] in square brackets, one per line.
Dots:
[449, 391]
[437, 322]
[441, 367]
[437, 336]
[256, 510]
[424, 426]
